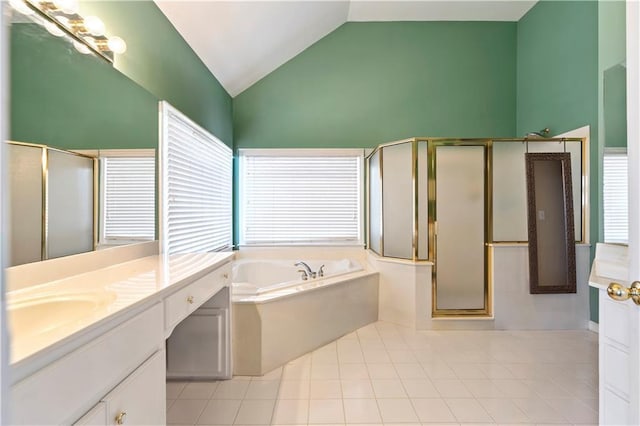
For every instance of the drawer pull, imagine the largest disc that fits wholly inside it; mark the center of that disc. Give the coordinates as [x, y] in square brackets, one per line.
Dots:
[190, 299]
[225, 275]
[121, 417]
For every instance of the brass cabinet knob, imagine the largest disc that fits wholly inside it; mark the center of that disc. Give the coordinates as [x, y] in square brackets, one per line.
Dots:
[621, 293]
[190, 299]
[225, 275]
[121, 417]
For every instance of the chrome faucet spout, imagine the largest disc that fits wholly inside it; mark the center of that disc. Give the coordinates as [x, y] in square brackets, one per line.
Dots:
[305, 266]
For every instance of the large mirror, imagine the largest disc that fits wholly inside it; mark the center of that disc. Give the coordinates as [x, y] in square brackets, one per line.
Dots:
[615, 106]
[552, 250]
[70, 101]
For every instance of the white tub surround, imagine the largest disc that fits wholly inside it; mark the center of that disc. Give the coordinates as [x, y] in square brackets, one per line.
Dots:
[406, 294]
[405, 290]
[278, 317]
[261, 280]
[75, 339]
[516, 309]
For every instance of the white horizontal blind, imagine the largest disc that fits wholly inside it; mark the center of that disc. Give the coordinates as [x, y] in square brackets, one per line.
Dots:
[298, 198]
[615, 197]
[197, 187]
[128, 197]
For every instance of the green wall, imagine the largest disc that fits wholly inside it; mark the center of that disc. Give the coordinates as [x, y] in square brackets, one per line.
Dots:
[64, 99]
[558, 81]
[159, 59]
[369, 83]
[614, 106]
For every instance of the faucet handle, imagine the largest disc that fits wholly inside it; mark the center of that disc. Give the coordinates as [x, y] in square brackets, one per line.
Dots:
[304, 274]
[321, 271]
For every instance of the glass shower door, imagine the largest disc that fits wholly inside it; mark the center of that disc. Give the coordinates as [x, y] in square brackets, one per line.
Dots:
[460, 253]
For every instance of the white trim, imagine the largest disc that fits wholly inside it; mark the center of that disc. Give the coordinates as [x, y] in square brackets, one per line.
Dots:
[632, 370]
[594, 326]
[299, 152]
[5, 19]
[163, 183]
[615, 150]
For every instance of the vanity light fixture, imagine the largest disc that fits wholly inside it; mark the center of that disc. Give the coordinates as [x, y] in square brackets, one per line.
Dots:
[61, 17]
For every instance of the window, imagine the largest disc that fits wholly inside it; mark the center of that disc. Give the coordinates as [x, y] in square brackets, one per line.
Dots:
[195, 180]
[300, 197]
[615, 196]
[127, 196]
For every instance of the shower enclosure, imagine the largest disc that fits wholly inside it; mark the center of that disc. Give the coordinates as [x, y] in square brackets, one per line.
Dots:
[53, 205]
[451, 202]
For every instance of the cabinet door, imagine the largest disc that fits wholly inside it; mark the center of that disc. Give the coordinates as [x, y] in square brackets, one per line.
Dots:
[97, 416]
[199, 346]
[141, 398]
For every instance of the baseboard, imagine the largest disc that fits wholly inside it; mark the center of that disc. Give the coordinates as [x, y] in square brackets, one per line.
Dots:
[593, 326]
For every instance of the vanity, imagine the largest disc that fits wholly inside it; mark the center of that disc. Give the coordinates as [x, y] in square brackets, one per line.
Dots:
[89, 348]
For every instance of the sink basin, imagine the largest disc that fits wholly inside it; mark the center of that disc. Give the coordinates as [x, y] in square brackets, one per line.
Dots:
[41, 314]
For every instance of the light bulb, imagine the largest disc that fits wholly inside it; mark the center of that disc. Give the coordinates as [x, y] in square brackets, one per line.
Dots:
[117, 45]
[91, 41]
[21, 7]
[94, 25]
[67, 6]
[53, 29]
[63, 21]
[81, 47]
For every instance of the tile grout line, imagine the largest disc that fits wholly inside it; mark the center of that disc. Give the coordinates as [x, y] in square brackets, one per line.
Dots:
[374, 391]
[573, 385]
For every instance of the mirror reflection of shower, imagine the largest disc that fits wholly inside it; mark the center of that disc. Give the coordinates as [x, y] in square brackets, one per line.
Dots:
[540, 134]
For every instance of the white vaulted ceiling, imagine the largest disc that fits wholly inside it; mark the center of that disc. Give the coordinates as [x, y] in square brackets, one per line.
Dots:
[243, 41]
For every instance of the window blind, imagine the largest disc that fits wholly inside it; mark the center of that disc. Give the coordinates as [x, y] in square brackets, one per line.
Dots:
[615, 197]
[300, 198]
[196, 187]
[128, 199]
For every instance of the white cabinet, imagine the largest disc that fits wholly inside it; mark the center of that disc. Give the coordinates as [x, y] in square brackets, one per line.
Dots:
[186, 300]
[114, 372]
[64, 390]
[141, 398]
[199, 346]
[138, 400]
[97, 416]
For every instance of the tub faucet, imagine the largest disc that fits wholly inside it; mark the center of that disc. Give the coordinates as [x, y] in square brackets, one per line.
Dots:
[307, 270]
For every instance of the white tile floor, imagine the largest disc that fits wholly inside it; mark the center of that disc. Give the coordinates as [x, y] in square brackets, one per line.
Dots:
[387, 374]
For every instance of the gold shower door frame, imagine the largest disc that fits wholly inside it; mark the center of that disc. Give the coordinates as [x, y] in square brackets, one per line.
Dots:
[486, 311]
[44, 249]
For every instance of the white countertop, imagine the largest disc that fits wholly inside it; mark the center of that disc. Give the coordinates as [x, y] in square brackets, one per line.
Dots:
[50, 316]
[602, 283]
[610, 265]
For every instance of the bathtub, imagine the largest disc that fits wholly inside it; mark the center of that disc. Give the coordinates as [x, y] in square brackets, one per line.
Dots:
[259, 280]
[278, 316]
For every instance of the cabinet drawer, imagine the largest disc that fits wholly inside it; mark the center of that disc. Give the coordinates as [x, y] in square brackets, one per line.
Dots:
[141, 398]
[97, 416]
[179, 305]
